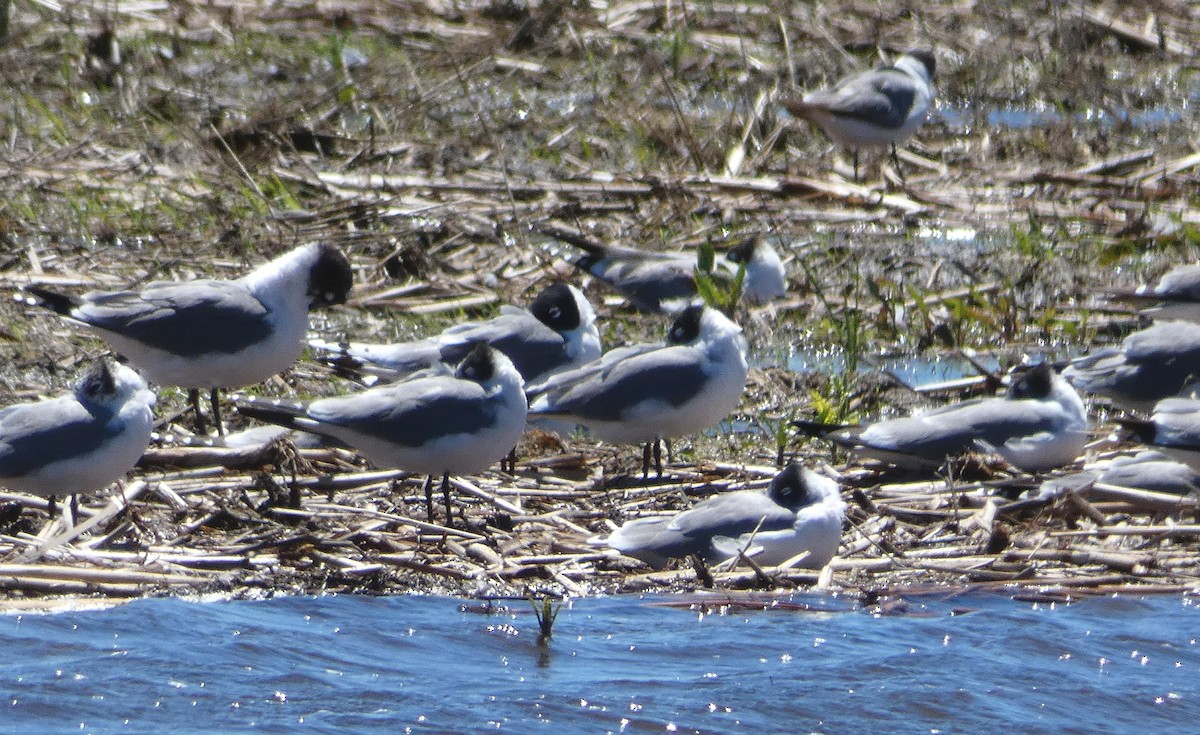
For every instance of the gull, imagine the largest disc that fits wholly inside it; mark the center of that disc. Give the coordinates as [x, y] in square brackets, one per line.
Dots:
[1040, 424]
[1154, 471]
[1158, 362]
[434, 422]
[801, 513]
[558, 331]
[1175, 296]
[213, 333]
[884, 106]
[666, 282]
[1173, 429]
[79, 442]
[646, 393]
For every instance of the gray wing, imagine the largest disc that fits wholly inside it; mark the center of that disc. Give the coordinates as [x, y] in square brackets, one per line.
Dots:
[1182, 283]
[1151, 364]
[882, 97]
[1152, 471]
[1177, 422]
[562, 381]
[412, 412]
[733, 514]
[936, 435]
[1167, 340]
[533, 347]
[188, 318]
[647, 282]
[649, 540]
[35, 434]
[670, 374]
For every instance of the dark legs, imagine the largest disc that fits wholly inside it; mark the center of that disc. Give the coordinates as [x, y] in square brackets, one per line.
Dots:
[445, 497]
[216, 412]
[197, 415]
[200, 423]
[509, 462]
[855, 154]
[429, 498]
[896, 163]
[652, 448]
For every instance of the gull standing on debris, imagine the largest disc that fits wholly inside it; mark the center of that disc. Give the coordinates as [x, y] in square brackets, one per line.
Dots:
[1158, 362]
[80, 442]
[883, 106]
[666, 282]
[211, 334]
[1040, 424]
[434, 422]
[1175, 296]
[648, 393]
[801, 513]
[557, 332]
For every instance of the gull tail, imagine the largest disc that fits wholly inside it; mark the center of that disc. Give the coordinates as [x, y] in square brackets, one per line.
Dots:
[272, 410]
[799, 107]
[819, 428]
[60, 303]
[1141, 429]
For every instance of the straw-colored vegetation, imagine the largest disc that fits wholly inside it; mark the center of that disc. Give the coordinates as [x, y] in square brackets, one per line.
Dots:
[151, 140]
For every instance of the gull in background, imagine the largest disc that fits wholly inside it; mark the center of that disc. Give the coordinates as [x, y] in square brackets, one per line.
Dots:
[211, 334]
[558, 331]
[1175, 296]
[434, 422]
[646, 393]
[80, 442]
[801, 513]
[1154, 471]
[666, 282]
[1158, 362]
[1173, 429]
[884, 106]
[1040, 424]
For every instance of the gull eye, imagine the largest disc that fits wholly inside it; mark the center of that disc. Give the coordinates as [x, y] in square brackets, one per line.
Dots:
[555, 312]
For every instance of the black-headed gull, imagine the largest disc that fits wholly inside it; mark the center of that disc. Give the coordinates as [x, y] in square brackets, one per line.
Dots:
[880, 107]
[1040, 424]
[435, 422]
[640, 395]
[79, 442]
[1175, 296]
[801, 513]
[556, 332]
[211, 334]
[665, 282]
[1158, 362]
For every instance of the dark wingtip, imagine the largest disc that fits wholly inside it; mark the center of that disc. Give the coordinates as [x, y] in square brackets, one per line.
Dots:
[1141, 429]
[269, 411]
[818, 429]
[57, 302]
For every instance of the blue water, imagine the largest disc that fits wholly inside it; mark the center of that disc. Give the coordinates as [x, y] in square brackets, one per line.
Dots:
[421, 664]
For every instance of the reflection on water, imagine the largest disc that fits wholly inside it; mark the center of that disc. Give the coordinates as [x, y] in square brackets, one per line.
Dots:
[623, 664]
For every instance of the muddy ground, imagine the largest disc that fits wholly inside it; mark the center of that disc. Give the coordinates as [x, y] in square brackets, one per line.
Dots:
[150, 140]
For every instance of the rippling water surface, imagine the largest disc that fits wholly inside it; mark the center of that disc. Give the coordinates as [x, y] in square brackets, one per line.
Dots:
[359, 664]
